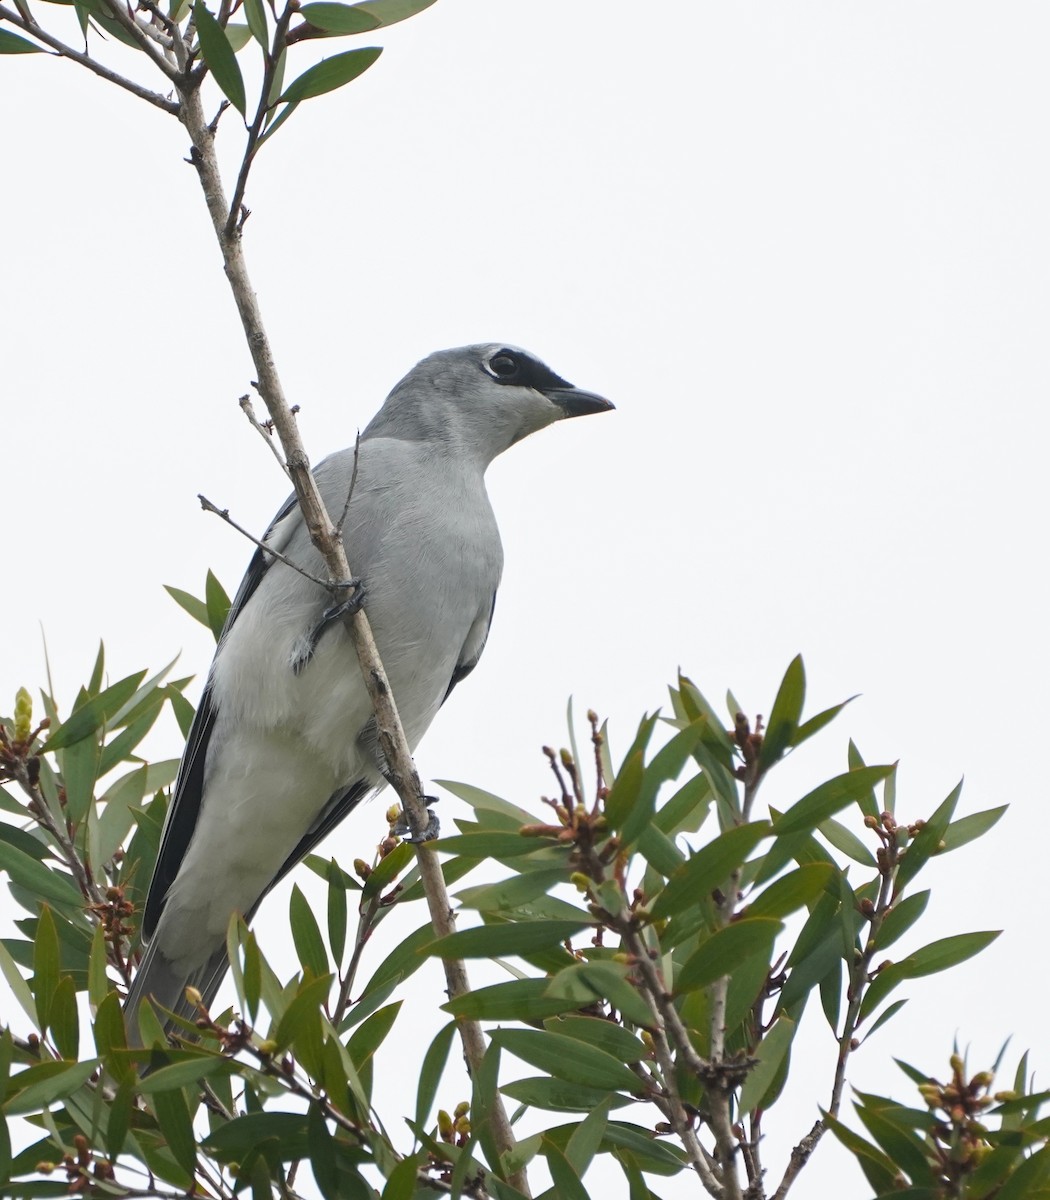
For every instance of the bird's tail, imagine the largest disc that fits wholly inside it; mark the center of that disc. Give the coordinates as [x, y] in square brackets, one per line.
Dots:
[160, 981]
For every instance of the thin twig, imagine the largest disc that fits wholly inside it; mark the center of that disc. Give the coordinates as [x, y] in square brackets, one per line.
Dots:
[273, 58]
[858, 985]
[85, 60]
[138, 31]
[265, 433]
[327, 584]
[353, 483]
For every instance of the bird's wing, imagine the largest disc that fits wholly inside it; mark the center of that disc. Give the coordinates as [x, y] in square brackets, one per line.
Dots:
[472, 648]
[346, 799]
[181, 819]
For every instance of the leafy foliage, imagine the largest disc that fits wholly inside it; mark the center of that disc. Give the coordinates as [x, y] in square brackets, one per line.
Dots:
[661, 940]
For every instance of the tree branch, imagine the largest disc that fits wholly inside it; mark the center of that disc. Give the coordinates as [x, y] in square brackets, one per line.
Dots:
[85, 60]
[325, 537]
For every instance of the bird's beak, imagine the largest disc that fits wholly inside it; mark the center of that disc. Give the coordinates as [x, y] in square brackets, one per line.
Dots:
[576, 403]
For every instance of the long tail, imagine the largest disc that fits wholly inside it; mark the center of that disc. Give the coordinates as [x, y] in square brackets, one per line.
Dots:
[158, 980]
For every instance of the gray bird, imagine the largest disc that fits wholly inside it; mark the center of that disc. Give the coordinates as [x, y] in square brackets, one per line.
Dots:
[284, 744]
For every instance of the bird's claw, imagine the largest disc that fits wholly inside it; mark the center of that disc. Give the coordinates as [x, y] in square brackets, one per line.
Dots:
[402, 829]
[329, 617]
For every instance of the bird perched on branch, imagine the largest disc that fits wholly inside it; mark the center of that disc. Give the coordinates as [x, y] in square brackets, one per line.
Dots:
[284, 741]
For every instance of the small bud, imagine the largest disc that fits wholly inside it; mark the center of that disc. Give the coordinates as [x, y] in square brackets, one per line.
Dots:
[957, 1064]
[268, 1047]
[580, 882]
[982, 1080]
[871, 822]
[362, 868]
[194, 997]
[444, 1123]
[45, 1168]
[393, 813]
[23, 714]
[462, 1108]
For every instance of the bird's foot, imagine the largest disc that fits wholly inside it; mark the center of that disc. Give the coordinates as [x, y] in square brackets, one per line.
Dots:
[402, 829]
[331, 616]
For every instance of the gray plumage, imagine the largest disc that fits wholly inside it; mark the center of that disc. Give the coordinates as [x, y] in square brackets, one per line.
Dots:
[283, 744]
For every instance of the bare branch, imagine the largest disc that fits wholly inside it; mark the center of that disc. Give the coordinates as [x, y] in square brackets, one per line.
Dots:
[273, 58]
[324, 535]
[224, 513]
[266, 433]
[353, 483]
[85, 60]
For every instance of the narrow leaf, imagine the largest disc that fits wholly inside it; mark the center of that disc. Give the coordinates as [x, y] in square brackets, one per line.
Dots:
[329, 74]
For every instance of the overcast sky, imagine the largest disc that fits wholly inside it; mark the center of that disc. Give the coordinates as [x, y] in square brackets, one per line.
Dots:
[804, 249]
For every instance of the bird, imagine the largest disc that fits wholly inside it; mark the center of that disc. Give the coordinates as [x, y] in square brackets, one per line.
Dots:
[283, 745]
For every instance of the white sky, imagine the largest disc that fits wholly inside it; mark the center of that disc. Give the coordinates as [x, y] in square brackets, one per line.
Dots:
[804, 249]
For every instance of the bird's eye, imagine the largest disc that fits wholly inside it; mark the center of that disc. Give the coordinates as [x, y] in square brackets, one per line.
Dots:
[503, 366]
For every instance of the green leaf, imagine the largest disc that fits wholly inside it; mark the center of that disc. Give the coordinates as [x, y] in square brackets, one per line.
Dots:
[799, 888]
[98, 981]
[826, 800]
[42, 1085]
[336, 911]
[966, 829]
[255, 14]
[173, 1118]
[880, 1171]
[725, 948]
[503, 939]
[11, 43]
[625, 791]
[785, 715]
[431, 1071]
[772, 1053]
[64, 1019]
[221, 60]
[709, 868]
[513, 893]
[389, 12]
[285, 1132]
[361, 18]
[900, 918]
[388, 869]
[887, 1013]
[567, 1185]
[815, 724]
[237, 35]
[197, 609]
[846, 841]
[322, 1154]
[513, 1000]
[180, 1074]
[45, 967]
[338, 18]
[540, 1091]
[16, 982]
[89, 717]
[569, 1059]
[937, 956]
[606, 1035]
[607, 981]
[927, 841]
[306, 934]
[371, 1034]
[303, 1010]
[215, 596]
[329, 74]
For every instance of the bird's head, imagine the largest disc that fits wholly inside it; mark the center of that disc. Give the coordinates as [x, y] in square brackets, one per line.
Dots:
[481, 399]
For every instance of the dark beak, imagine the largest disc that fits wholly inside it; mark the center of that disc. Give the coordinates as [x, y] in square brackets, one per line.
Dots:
[577, 403]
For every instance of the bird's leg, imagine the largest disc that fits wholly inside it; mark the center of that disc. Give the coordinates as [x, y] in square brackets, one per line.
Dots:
[304, 651]
[402, 829]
